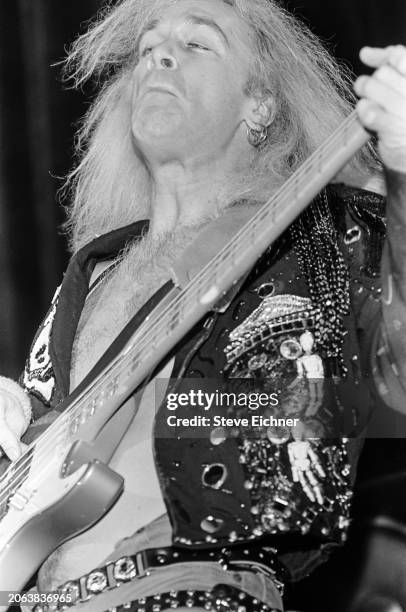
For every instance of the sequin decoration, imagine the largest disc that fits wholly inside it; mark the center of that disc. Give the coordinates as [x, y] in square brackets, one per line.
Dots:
[305, 502]
[38, 377]
[269, 337]
[286, 479]
[316, 245]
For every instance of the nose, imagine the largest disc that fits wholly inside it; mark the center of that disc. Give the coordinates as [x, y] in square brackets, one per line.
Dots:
[162, 57]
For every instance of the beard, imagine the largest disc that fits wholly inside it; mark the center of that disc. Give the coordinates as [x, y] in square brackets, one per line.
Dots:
[142, 268]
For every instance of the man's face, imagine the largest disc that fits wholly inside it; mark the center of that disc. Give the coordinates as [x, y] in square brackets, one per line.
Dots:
[188, 94]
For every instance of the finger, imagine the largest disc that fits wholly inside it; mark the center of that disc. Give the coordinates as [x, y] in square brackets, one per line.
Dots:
[391, 137]
[392, 79]
[370, 114]
[395, 55]
[375, 118]
[9, 443]
[380, 93]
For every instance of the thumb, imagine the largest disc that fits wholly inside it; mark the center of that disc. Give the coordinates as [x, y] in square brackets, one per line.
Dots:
[9, 441]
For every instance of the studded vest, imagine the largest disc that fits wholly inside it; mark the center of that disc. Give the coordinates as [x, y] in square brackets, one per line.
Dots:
[224, 486]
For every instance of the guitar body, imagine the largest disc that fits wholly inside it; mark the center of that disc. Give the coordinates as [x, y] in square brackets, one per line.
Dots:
[56, 489]
[36, 524]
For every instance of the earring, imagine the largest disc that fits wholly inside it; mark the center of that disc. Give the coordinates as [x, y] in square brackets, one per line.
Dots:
[257, 137]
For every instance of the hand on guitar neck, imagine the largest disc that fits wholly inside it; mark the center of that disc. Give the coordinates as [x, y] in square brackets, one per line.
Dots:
[13, 424]
[382, 107]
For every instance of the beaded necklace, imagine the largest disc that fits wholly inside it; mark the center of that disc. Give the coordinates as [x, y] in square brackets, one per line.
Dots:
[315, 242]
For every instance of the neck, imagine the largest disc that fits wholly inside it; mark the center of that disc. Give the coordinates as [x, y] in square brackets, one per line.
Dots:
[187, 195]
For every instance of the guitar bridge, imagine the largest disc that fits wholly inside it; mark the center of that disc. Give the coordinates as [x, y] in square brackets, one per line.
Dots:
[20, 499]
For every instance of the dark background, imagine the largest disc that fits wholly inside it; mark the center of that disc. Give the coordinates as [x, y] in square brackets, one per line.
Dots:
[37, 117]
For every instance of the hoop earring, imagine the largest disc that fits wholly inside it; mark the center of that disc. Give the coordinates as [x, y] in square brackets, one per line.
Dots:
[257, 137]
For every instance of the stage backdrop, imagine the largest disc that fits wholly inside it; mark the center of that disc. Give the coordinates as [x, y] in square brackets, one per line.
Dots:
[37, 118]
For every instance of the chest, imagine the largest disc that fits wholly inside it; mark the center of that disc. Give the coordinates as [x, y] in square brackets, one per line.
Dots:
[108, 308]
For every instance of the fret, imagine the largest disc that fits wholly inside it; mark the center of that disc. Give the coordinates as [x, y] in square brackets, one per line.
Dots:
[134, 363]
[150, 343]
[174, 319]
[112, 386]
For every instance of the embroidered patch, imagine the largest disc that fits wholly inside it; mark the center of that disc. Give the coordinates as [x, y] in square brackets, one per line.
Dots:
[294, 485]
[38, 377]
[276, 326]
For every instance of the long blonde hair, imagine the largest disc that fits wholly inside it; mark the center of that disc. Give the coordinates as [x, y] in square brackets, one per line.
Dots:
[110, 185]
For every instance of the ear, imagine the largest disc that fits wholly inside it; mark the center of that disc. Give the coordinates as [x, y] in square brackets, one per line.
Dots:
[260, 111]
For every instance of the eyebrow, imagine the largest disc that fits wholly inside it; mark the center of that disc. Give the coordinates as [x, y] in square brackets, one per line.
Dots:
[195, 20]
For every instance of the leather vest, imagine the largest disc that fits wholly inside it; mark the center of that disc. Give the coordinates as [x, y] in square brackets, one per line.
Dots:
[222, 485]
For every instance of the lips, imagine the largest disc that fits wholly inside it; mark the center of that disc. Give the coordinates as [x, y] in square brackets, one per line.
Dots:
[159, 88]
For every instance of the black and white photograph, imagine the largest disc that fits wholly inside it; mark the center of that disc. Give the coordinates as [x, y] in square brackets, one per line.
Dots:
[202, 306]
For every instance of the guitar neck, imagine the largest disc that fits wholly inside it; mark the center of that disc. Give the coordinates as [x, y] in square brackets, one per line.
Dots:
[183, 308]
[186, 307]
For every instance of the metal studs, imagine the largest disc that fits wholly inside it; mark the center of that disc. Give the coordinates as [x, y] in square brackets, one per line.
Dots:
[257, 361]
[214, 475]
[266, 290]
[290, 349]
[211, 524]
[124, 569]
[71, 591]
[352, 235]
[218, 436]
[96, 581]
[232, 536]
[343, 522]
[278, 435]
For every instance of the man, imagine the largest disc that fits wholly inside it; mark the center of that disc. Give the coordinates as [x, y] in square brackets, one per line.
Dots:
[208, 108]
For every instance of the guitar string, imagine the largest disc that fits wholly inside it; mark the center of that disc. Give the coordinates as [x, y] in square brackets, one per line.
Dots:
[267, 212]
[264, 212]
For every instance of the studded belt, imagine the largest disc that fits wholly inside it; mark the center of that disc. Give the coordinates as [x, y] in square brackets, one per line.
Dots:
[141, 564]
[221, 598]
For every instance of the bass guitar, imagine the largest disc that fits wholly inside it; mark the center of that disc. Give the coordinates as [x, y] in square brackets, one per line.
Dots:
[56, 489]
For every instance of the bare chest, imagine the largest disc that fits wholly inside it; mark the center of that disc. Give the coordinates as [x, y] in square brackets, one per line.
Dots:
[107, 310]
